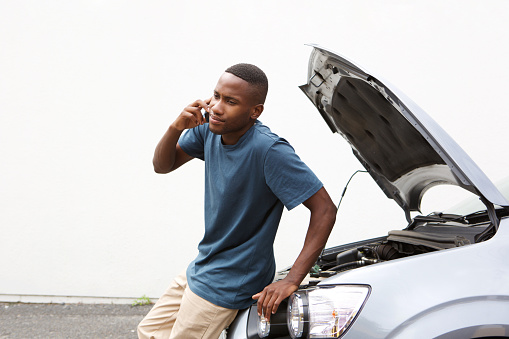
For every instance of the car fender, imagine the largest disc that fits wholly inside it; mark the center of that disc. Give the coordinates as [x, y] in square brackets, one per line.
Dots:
[473, 317]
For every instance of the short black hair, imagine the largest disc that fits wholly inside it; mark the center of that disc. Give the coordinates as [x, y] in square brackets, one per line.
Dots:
[254, 76]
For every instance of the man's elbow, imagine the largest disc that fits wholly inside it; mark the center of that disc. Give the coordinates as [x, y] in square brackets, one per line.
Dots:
[160, 169]
[322, 207]
[326, 211]
[330, 213]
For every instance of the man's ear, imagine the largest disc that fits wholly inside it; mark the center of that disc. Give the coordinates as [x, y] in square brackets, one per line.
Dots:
[256, 111]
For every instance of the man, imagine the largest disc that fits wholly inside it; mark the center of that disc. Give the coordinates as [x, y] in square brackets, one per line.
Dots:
[250, 174]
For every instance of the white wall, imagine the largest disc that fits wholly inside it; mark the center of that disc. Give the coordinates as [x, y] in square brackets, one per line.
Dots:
[87, 88]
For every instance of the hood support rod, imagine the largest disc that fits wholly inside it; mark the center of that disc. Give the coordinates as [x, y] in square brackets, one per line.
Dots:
[494, 222]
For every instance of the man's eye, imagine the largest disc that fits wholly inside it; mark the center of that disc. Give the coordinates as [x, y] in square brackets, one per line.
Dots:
[231, 102]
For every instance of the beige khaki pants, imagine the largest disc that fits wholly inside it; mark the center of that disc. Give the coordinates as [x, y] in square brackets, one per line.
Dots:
[181, 314]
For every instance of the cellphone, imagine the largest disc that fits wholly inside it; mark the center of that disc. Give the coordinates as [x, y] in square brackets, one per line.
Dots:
[206, 116]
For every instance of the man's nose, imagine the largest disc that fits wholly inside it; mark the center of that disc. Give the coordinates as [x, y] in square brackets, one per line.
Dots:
[217, 107]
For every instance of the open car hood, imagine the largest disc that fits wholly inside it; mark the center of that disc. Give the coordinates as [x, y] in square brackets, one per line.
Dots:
[405, 151]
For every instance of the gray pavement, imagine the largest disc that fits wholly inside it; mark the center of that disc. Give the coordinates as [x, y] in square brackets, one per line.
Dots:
[56, 321]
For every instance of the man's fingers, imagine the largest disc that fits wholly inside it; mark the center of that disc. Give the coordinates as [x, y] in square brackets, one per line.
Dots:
[199, 105]
[202, 104]
[271, 305]
[276, 304]
[272, 296]
[265, 302]
[193, 114]
[259, 305]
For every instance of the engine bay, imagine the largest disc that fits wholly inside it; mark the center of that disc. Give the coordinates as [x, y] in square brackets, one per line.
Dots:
[424, 234]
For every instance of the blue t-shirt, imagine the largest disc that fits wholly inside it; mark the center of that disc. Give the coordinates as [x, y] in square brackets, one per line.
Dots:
[246, 186]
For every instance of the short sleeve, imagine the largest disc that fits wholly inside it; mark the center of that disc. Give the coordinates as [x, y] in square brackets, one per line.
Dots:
[193, 141]
[289, 178]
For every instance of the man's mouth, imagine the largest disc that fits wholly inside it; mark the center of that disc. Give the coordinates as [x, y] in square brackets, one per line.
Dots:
[213, 118]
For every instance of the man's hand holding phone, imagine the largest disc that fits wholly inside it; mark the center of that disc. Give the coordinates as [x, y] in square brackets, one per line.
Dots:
[192, 115]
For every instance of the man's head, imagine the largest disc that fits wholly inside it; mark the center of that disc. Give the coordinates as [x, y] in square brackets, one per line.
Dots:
[237, 101]
[255, 77]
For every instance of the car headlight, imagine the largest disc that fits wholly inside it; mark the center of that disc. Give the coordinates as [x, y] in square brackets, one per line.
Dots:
[297, 315]
[324, 312]
[263, 327]
[259, 327]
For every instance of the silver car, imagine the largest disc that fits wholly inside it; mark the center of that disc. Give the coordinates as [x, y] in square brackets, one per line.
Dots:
[442, 275]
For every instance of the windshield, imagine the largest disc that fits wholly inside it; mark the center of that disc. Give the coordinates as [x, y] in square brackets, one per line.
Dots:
[474, 204]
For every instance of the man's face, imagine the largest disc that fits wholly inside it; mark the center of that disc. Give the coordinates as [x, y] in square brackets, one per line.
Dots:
[233, 108]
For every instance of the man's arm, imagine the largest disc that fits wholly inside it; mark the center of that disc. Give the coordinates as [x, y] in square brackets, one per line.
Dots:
[168, 155]
[323, 217]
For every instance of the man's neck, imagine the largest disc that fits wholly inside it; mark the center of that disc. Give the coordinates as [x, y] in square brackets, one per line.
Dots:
[233, 138]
